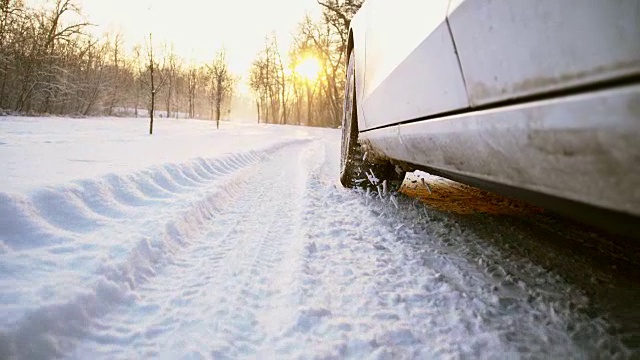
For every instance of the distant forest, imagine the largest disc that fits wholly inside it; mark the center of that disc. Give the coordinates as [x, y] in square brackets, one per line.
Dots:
[50, 65]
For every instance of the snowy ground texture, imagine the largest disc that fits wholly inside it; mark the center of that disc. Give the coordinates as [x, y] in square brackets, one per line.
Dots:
[239, 243]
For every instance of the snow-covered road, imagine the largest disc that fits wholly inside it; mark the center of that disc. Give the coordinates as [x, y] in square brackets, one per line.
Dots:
[253, 250]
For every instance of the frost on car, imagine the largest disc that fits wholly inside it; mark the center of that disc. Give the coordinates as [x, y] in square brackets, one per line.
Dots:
[539, 99]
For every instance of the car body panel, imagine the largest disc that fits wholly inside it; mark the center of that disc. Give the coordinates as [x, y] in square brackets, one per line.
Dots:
[359, 46]
[402, 69]
[540, 95]
[560, 147]
[510, 49]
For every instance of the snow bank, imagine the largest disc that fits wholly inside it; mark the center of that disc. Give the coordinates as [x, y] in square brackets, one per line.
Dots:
[78, 238]
[36, 152]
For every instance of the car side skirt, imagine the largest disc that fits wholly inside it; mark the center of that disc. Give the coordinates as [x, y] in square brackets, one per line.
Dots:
[583, 148]
[610, 220]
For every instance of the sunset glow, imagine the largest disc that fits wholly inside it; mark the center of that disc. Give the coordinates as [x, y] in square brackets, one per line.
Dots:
[198, 29]
[201, 59]
[309, 69]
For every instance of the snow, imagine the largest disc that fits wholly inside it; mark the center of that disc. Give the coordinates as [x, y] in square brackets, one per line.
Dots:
[45, 151]
[239, 243]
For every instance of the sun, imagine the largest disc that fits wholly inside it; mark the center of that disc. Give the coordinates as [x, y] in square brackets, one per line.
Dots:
[309, 68]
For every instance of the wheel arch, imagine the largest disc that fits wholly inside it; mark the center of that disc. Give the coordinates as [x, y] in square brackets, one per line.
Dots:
[349, 48]
[356, 45]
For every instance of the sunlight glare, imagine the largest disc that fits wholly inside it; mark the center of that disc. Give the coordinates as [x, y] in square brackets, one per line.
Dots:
[309, 69]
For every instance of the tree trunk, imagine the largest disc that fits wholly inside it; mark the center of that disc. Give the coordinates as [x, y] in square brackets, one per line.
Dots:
[309, 102]
[283, 91]
[153, 89]
[153, 103]
[258, 108]
[169, 103]
[4, 84]
[218, 115]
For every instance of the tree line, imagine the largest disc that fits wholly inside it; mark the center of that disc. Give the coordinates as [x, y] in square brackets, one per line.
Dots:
[282, 94]
[50, 64]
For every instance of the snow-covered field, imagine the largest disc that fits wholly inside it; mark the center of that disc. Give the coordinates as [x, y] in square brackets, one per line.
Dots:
[239, 243]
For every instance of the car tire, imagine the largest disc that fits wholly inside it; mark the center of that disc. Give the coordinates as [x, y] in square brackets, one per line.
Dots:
[355, 170]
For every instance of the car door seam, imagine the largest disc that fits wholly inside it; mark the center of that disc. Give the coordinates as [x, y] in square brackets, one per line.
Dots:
[455, 50]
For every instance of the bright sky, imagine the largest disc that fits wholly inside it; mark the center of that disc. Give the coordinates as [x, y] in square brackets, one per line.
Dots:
[198, 28]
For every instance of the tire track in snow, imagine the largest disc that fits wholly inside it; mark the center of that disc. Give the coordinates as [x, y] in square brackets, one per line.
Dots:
[162, 228]
[225, 280]
[382, 282]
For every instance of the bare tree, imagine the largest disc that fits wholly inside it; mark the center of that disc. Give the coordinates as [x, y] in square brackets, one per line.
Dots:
[156, 81]
[222, 83]
[338, 14]
[116, 50]
[282, 82]
[297, 84]
[270, 83]
[96, 79]
[257, 84]
[137, 73]
[12, 13]
[192, 85]
[170, 70]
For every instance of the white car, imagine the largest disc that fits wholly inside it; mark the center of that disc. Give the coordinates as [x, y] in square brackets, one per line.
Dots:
[533, 98]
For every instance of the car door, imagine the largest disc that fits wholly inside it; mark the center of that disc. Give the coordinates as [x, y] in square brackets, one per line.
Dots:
[512, 49]
[411, 66]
